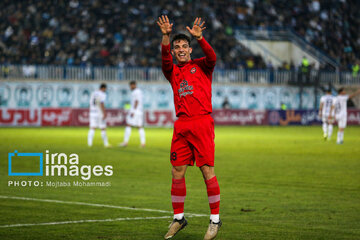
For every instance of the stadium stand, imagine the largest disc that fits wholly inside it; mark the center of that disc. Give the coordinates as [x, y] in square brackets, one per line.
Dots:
[329, 25]
[109, 33]
[112, 33]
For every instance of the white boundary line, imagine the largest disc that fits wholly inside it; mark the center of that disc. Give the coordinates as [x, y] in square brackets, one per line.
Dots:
[97, 205]
[89, 204]
[81, 221]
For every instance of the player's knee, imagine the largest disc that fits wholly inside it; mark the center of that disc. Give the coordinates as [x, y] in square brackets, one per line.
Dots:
[178, 172]
[208, 172]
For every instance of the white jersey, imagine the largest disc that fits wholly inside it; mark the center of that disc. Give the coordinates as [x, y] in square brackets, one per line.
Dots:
[136, 95]
[97, 97]
[340, 104]
[327, 101]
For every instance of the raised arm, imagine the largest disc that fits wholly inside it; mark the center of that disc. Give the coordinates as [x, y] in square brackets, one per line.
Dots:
[354, 94]
[166, 29]
[196, 32]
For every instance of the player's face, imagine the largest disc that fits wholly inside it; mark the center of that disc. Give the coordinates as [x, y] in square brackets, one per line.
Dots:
[181, 51]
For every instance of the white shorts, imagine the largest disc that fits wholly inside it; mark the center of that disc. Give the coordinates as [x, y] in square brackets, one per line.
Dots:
[137, 120]
[325, 119]
[96, 121]
[341, 120]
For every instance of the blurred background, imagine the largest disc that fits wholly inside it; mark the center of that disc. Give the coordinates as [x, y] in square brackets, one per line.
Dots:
[271, 56]
[275, 59]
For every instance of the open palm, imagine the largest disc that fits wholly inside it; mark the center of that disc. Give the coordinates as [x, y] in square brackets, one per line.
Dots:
[197, 28]
[165, 25]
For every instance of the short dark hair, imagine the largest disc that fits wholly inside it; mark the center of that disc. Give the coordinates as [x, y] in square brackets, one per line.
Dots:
[181, 36]
[103, 85]
[132, 82]
[340, 90]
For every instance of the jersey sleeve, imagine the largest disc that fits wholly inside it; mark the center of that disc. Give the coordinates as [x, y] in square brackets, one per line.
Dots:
[210, 56]
[322, 99]
[167, 64]
[137, 95]
[103, 98]
[140, 96]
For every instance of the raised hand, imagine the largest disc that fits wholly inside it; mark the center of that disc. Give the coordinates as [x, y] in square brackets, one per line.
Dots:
[197, 28]
[165, 25]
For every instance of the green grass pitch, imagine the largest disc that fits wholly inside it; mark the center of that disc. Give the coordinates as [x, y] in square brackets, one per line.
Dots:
[276, 183]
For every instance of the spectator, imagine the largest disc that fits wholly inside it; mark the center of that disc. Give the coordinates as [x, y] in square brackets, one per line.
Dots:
[100, 32]
[76, 32]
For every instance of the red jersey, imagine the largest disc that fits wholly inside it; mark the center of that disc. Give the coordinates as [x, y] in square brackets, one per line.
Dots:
[191, 82]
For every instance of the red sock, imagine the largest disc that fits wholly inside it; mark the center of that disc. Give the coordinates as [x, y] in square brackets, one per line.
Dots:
[213, 191]
[178, 193]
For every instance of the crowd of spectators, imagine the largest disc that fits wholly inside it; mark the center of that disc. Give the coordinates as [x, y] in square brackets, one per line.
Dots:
[124, 32]
[330, 25]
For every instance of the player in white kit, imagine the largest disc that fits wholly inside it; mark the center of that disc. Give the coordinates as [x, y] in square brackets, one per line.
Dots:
[340, 106]
[97, 115]
[135, 117]
[326, 102]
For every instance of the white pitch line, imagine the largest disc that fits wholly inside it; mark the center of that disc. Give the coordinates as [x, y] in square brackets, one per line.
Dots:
[97, 205]
[81, 221]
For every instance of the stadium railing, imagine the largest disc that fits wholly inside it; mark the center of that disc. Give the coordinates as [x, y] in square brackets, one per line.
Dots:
[244, 76]
[285, 34]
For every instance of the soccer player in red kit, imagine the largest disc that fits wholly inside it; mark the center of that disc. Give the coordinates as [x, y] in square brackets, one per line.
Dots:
[193, 137]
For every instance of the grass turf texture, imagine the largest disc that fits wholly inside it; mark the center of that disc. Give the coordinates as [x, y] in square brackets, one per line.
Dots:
[276, 183]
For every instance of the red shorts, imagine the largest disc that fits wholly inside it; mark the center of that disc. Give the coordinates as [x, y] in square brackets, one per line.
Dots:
[193, 140]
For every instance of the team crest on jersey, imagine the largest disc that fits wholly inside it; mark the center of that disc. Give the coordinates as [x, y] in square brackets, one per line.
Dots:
[185, 89]
[193, 70]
